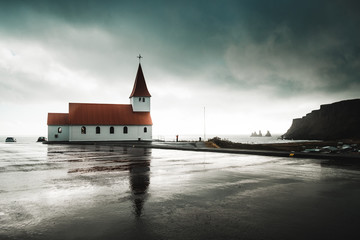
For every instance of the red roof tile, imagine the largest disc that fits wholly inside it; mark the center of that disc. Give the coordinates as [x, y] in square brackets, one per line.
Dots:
[140, 89]
[106, 114]
[58, 119]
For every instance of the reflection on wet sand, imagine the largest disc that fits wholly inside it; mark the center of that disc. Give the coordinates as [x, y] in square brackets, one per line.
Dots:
[139, 183]
[134, 160]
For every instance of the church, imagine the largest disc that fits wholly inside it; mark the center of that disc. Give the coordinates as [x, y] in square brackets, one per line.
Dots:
[105, 122]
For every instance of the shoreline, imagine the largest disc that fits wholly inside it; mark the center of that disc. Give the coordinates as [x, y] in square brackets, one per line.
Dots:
[256, 149]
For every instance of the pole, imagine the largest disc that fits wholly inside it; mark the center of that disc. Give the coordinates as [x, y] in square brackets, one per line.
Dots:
[204, 126]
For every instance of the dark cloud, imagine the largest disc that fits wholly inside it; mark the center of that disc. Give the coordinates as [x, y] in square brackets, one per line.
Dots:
[285, 45]
[232, 56]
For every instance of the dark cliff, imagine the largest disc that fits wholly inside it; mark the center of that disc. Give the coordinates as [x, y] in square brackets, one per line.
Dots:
[340, 120]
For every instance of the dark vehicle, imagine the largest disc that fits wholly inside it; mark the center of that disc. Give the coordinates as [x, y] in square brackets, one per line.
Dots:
[41, 139]
[10, 139]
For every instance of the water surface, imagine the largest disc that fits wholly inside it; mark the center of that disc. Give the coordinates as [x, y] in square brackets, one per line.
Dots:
[110, 192]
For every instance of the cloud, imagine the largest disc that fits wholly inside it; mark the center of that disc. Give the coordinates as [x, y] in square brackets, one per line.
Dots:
[297, 52]
[30, 72]
[234, 57]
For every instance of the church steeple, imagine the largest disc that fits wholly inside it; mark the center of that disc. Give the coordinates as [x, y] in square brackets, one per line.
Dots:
[140, 88]
[140, 96]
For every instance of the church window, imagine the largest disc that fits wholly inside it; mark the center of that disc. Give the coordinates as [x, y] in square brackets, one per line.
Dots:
[125, 130]
[83, 130]
[97, 130]
[59, 130]
[139, 99]
[143, 99]
[145, 129]
[111, 130]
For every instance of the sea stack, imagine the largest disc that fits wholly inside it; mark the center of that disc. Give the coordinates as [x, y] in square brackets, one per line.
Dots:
[268, 134]
[254, 134]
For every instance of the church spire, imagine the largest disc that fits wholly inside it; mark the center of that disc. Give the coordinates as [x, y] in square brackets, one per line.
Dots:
[140, 88]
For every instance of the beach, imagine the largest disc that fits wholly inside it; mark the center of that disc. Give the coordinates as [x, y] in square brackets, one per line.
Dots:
[110, 192]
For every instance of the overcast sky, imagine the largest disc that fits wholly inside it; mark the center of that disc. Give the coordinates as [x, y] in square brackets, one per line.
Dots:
[254, 65]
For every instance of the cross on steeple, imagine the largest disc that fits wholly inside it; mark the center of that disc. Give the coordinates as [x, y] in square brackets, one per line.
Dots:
[139, 57]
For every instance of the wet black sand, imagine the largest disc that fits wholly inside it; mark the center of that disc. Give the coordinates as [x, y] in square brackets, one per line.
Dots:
[127, 192]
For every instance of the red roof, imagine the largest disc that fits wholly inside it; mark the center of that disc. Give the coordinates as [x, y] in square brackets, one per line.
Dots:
[58, 119]
[140, 89]
[106, 114]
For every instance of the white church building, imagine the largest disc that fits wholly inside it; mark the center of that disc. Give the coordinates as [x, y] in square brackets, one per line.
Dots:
[105, 122]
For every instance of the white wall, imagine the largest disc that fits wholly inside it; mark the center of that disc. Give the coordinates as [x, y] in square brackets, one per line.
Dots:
[53, 130]
[134, 133]
[140, 106]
